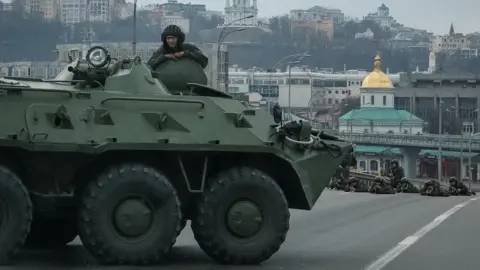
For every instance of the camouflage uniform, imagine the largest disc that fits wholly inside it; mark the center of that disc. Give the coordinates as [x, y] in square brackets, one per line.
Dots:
[355, 185]
[433, 188]
[405, 186]
[459, 188]
[397, 173]
[381, 186]
[341, 178]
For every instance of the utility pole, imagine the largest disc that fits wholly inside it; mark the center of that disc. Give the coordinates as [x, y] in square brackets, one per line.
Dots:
[290, 89]
[134, 40]
[440, 134]
[470, 171]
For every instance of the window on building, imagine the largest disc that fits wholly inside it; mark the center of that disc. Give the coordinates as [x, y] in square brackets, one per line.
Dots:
[363, 100]
[361, 165]
[373, 165]
[384, 100]
[372, 100]
[329, 101]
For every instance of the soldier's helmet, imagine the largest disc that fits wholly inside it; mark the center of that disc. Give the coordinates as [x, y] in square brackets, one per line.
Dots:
[394, 162]
[452, 180]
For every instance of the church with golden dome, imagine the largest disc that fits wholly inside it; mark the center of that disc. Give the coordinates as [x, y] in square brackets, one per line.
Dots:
[377, 113]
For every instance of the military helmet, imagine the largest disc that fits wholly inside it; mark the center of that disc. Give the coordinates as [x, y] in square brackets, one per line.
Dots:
[452, 179]
[395, 162]
[175, 31]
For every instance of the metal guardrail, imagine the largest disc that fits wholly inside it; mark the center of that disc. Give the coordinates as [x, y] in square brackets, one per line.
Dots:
[423, 141]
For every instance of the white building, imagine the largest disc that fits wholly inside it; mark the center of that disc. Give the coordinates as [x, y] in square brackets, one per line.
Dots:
[307, 87]
[453, 43]
[381, 17]
[377, 113]
[183, 23]
[318, 13]
[77, 11]
[236, 12]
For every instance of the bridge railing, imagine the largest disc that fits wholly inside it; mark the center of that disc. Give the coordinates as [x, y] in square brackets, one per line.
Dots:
[429, 141]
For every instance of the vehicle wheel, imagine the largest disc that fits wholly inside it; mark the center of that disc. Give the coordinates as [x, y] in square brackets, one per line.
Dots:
[15, 214]
[242, 218]
[47, 233]
[130, 215]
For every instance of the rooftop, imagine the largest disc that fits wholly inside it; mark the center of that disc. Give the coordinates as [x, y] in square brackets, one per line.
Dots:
[379, 114]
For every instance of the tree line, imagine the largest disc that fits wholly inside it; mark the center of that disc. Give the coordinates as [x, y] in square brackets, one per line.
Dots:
[26, 37]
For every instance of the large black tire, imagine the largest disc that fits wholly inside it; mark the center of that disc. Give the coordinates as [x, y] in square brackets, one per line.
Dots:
[15, 214]
[49, 233]
[152, 199]
[249, 186]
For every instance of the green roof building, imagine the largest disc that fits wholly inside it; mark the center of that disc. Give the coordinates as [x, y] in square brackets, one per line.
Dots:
[377, 113]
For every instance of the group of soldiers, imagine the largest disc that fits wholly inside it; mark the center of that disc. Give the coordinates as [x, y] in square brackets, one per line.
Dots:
[394, 182]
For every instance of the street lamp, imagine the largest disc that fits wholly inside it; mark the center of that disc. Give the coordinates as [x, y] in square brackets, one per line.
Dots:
[270, 79]
[310, 107]
[290, 84]
[219, 43]
[134, 40]
[299, 57]
[281, 62]
[470, 156]
[440, 133]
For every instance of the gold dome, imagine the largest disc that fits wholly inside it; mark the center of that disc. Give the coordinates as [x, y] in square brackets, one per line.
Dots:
[376, 78]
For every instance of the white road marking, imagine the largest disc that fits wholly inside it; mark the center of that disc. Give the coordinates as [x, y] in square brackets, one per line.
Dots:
[393, 253]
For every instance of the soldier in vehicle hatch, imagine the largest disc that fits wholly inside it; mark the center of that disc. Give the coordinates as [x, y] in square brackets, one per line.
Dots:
[459, 188]
[174, 48]
[397, 173]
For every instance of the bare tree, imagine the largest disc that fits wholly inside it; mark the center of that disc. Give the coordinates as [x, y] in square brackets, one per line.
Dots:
[451, 123]
[348, 104]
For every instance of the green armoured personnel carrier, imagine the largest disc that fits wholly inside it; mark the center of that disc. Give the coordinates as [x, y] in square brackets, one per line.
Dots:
[106, 152]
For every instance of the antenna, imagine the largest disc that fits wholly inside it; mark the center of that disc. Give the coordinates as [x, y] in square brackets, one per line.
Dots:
[134, 41]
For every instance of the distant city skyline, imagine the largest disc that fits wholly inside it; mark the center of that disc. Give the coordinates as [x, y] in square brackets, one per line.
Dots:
[432, 15]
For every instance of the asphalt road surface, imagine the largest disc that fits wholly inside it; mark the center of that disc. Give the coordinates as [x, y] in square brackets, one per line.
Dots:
[345, 231]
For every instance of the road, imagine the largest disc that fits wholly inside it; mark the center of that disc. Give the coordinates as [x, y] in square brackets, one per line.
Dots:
[345, 231]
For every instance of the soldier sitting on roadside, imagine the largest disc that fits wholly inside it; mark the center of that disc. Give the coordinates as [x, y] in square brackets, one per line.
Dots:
[405, 186]
[341, 177]
[381, 186]
[434, 188]
[355, 185]
[459, 188]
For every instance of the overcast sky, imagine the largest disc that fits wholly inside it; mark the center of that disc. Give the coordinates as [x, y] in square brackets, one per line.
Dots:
[432, 15]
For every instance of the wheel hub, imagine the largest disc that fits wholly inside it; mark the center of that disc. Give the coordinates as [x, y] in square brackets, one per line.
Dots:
[133, 217]
[244, 218]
